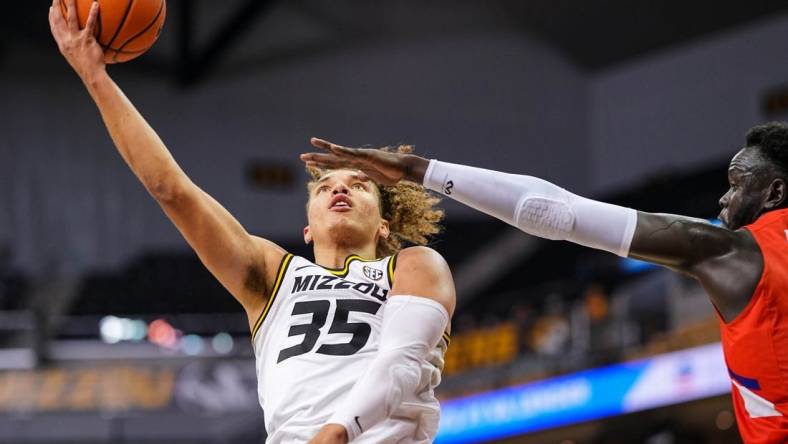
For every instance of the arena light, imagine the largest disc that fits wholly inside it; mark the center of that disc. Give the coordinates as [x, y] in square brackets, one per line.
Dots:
[139, 329]
[222, 343]
[161, 333]
[111, 329]
[191, 345]
[114, 329]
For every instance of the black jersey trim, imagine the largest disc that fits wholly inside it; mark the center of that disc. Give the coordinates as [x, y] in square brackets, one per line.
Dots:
[278, 283]
[342, 272]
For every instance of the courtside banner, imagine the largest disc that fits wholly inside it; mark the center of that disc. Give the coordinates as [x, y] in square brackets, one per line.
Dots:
[662, 380]
[209, 388]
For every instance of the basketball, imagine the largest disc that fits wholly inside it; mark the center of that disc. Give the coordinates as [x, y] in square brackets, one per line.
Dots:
[125, 29]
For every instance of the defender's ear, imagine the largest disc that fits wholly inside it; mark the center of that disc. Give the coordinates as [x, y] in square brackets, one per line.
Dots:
[776, 194]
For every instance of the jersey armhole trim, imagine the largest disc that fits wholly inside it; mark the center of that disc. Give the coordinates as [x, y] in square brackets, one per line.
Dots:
[279, 277]
[447, 338]
[392, 266]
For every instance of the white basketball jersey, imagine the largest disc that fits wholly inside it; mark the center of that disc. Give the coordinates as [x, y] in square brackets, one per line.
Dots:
[316, 338]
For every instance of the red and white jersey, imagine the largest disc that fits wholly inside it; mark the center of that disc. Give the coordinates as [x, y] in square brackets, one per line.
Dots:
[316, 338]
[755, 343]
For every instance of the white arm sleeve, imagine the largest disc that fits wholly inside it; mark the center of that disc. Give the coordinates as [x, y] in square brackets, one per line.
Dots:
[536, 206]
[412, 327]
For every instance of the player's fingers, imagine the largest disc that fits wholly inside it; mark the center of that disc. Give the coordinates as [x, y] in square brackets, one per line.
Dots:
[332, 147]
[324, 160]
[332, 162]
[71, 15]
[51, 19]
[90, 24]
[320, 143]
[54, 22]
[342, 150]
[323, 166]
[357, 154]
[337, 160]
[312, 157]
[307, 157]
[55, 13]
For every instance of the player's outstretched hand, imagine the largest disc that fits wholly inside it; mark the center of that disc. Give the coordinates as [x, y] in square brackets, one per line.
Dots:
[78, 46]
[383, 167]
[330, 434]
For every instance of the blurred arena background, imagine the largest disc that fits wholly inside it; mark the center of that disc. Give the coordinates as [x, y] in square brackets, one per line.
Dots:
[111, 331]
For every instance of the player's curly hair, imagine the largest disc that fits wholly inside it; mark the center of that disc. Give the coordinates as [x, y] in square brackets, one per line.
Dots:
[408, 207]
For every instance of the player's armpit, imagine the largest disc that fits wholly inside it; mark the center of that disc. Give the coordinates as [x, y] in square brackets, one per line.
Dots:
[422, 271]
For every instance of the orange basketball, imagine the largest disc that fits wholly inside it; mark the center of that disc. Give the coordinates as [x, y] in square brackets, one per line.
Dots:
[124, 28]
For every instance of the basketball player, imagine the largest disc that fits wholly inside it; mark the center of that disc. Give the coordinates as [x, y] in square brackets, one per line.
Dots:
[347, 346]
[743, 266]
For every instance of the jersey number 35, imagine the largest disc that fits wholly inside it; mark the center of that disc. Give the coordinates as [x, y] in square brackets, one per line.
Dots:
[311, 331]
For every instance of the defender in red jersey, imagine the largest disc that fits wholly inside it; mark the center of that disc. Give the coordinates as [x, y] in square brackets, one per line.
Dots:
[743, 266]
[754, 342]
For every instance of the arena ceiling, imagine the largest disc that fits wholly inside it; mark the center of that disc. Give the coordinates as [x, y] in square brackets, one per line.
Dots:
[595, 34]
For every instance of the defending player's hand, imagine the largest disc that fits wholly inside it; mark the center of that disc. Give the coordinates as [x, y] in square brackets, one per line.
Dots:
[78, 46]
[330, 434]
[383, 167]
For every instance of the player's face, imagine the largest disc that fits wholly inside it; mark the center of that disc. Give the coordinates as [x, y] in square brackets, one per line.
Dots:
[344, 208]
[743, 203]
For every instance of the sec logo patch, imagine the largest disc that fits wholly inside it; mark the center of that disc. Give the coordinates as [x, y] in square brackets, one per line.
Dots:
[372, 273]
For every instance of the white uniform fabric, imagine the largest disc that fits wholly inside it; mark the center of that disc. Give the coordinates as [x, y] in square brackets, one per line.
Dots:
[316, 339]
[412, 328]
[536, 206]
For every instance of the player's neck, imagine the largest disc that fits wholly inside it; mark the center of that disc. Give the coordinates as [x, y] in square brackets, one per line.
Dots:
[333, 256]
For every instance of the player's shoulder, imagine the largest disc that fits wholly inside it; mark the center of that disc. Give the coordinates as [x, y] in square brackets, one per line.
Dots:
[422, 271]
[745, 245]
[423, 259]
[420, 254]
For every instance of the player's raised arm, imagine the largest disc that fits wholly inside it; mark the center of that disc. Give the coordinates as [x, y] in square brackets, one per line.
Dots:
[239, 261]
[540, 208]
[414, 318]
[531, 204]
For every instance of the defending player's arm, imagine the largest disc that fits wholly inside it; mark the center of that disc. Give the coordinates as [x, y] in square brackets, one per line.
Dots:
[531, 204]
[238, 260]
[540, 208]
[543, 209]
[414, 318]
